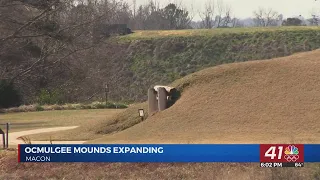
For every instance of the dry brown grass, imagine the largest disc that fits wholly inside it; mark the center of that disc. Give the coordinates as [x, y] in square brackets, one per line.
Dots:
[271, 101]
[88, 120]
[151, 34]
[121, 121]
[104, 122]
[11, 170]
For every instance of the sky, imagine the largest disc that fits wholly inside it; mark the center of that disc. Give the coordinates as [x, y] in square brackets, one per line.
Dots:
[244, 8]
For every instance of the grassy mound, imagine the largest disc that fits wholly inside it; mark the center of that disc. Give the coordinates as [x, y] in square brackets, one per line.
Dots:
[161, 57]
[273, 101]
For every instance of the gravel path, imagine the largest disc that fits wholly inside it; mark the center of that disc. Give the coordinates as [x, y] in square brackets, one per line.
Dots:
[13, 137]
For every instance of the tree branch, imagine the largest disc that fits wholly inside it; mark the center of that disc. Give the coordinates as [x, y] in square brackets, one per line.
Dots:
[33, 20]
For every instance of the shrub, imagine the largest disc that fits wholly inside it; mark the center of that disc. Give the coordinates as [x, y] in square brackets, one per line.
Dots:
[68, 106]
[49, 97]
[39, 108]
[121, 106]
[25, 108]
[98, 105]
[77, 106]
[110, 105]
[57, 107]
[86, 106]
[14, 110]
[116, 106]
[9, 96]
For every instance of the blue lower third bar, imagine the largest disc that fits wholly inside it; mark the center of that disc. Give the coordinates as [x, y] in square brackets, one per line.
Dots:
[149, 153]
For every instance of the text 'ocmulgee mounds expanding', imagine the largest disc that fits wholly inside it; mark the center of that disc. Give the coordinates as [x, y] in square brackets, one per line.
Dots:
[94, 150]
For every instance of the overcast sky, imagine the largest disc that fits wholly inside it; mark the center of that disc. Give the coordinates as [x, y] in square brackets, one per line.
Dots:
[245, 8]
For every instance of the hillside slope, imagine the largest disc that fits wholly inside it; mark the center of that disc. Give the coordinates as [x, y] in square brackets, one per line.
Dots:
[271, 101]
[161, 57]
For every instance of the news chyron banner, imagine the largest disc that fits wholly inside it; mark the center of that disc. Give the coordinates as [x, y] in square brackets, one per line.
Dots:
[268, 155]
[282, 155]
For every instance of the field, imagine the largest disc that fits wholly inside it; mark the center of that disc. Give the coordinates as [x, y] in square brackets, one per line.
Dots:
[263, 101]
[47, 119]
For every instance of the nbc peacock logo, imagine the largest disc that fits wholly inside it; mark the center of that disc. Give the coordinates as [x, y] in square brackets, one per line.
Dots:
[291, 153]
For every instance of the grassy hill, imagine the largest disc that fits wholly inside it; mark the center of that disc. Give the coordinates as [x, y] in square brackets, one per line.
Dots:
[160, 57]
[271, 101]
[264, 101]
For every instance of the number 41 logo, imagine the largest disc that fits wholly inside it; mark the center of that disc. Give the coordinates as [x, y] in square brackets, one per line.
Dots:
[271, 152]
[281, 153]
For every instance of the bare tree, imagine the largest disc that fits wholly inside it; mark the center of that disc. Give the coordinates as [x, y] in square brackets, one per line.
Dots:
[227, 18]
[46, 44]
[220, 13]
[264, 17]
[314, 21]
[207, 17]
[149, 16]
[236, 22]
[216, 14]
[134, 8]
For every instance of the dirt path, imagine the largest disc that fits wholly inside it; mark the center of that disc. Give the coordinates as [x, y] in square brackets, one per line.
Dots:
[13, 137]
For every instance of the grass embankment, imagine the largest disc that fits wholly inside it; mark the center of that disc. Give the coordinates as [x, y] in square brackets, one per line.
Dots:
[273, 101]
[160, 57]
[11, 169]
[158, 34]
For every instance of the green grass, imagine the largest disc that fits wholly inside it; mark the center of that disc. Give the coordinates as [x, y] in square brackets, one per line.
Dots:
[147, 58]
[160, 57]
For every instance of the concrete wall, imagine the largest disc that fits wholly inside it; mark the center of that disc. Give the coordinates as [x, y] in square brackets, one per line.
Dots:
[152, 101]
[162, 99]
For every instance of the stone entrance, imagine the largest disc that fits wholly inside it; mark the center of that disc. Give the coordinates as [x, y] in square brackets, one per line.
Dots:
[161, 97]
